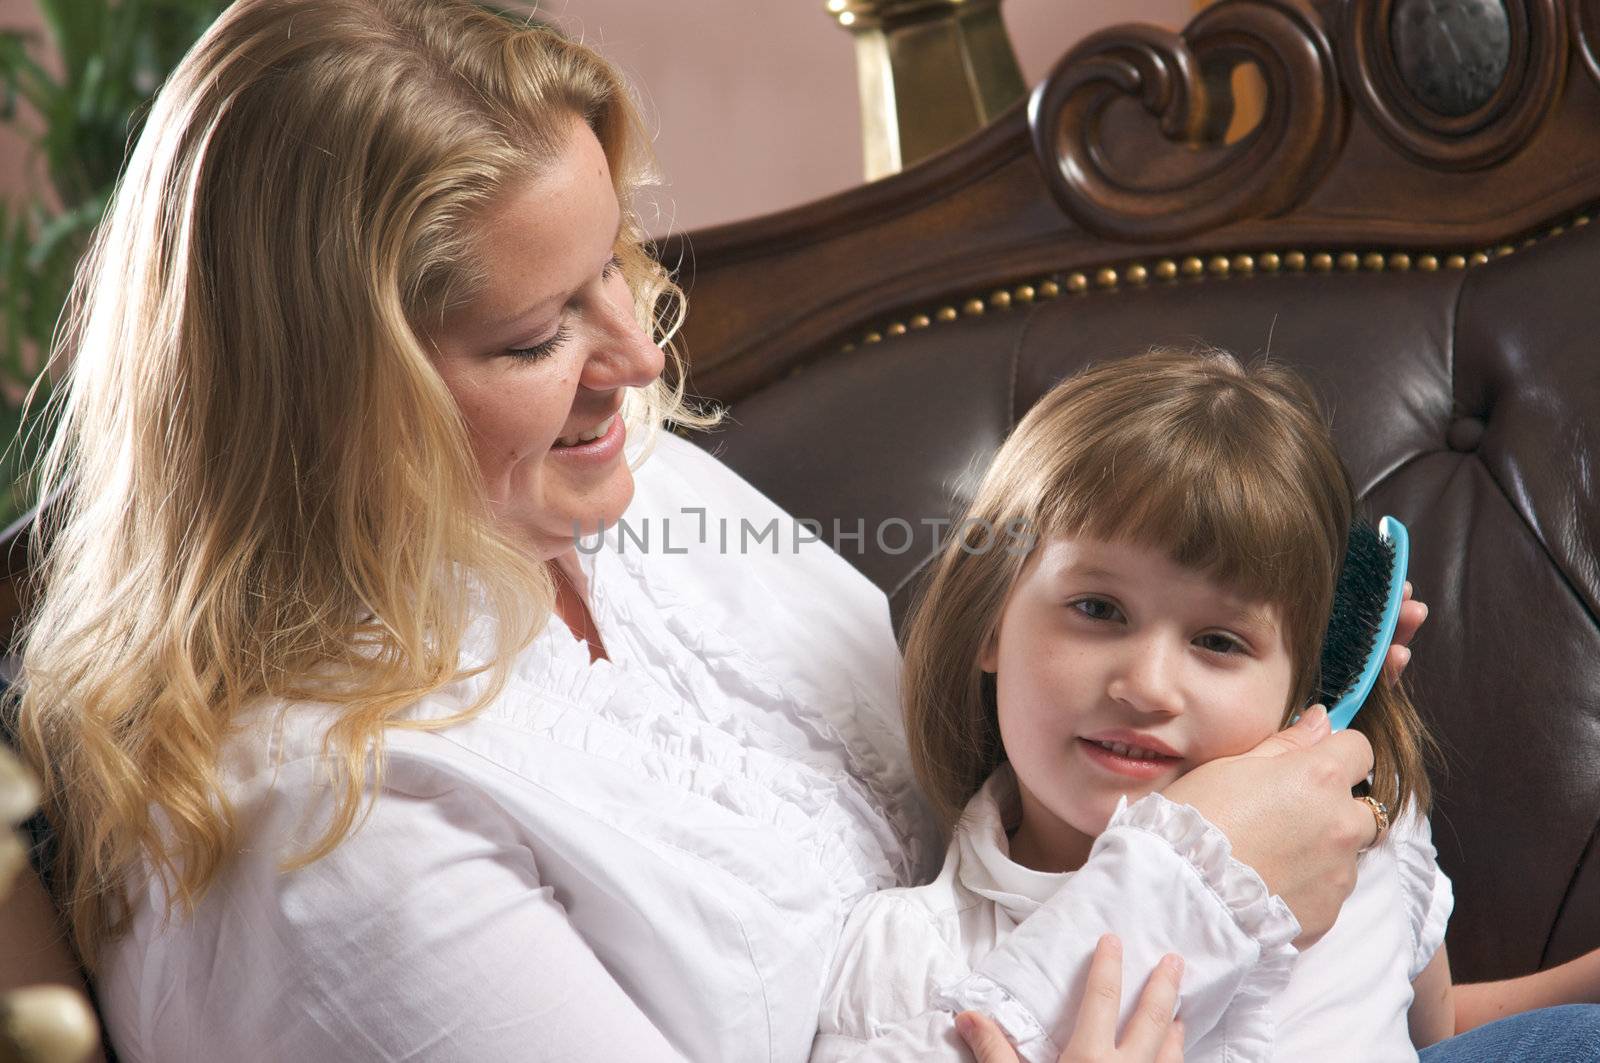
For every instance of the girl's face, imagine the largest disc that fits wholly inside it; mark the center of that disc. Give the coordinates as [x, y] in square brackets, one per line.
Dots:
[1117, 671]
[540, 360]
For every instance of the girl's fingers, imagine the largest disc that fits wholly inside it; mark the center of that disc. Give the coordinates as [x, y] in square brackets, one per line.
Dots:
[1412, 615]
[1394, 665]
[988, 1044]
[1094, 1035]
[1150, 1026]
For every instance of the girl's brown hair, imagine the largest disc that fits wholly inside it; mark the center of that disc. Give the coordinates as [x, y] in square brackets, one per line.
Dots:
[1227, 469]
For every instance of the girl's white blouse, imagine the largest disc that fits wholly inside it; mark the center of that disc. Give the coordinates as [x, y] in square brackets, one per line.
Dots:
[1346, 997]
[648, 858]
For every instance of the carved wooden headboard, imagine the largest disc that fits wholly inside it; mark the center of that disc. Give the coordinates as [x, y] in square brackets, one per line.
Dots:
[1112, 174]
[1410, 232]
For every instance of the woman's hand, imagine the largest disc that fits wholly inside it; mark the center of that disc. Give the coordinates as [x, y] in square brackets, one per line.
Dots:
[1286, 808]
[1152, 1036]
[1412, 614]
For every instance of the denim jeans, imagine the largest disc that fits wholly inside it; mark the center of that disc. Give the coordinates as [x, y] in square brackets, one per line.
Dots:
[1567, 1034]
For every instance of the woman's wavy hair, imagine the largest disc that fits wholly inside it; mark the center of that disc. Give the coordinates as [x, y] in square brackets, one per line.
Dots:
[1227, 469]
[262, 487]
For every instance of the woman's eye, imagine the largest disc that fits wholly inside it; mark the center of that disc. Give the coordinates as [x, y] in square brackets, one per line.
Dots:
[1217, 642]
[1096, 608]
[543, 350]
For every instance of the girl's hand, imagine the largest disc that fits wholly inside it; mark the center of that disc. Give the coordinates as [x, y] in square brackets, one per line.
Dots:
[1412, 614]
[1152, 1036]
[1286, 808]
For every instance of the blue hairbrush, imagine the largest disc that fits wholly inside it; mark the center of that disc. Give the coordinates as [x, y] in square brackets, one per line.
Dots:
[1366, 608]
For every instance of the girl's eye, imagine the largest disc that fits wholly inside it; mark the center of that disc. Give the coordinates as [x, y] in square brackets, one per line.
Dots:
[1096, 609]
[1217, 642]
[540, 351]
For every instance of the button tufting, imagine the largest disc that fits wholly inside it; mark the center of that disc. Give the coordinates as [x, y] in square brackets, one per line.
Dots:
[1465, 433]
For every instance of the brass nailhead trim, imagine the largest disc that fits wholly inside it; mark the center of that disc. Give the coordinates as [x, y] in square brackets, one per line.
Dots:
[1109, 278]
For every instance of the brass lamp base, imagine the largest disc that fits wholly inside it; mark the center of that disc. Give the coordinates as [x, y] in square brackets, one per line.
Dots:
[930, 73]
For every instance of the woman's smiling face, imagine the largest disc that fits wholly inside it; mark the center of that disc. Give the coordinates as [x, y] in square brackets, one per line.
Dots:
[1117, 671]
[538, 362]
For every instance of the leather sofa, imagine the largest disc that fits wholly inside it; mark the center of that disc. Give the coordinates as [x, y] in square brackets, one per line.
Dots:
[1423, 254]
[1430, 273]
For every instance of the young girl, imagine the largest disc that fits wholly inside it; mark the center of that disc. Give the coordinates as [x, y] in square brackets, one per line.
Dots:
[1190, 518]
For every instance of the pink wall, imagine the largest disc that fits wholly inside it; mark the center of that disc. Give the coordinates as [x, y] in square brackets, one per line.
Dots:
[15, 14]
[752, 102]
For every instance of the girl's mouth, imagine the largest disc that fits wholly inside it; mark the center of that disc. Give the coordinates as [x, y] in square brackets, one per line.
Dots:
[1130, 761]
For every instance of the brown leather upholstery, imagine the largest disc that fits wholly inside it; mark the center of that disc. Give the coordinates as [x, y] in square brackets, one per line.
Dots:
[1466, 401]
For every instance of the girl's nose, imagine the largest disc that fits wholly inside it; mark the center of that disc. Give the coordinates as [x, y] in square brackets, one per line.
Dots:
[1145, 677]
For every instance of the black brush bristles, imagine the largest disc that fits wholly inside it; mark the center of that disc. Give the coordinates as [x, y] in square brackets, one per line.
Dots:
[1359, 600]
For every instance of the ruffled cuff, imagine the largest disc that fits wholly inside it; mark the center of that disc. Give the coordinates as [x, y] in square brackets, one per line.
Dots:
[1164, 880]
[1261, 915]
[977, 992]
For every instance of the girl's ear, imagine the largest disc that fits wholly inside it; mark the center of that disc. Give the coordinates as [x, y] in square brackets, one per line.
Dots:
[989, 657]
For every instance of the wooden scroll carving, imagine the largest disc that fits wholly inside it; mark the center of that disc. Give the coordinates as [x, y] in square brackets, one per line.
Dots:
[1515, 54]
[1586, 29]
[1183, 82]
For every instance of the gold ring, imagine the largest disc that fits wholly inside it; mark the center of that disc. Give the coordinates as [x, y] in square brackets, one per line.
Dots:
[1380, 812]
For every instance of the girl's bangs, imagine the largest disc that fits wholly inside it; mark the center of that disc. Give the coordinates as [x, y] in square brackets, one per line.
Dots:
[1198, 495]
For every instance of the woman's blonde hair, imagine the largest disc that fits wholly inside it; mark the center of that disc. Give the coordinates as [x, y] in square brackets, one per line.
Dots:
[263, 487]
[1226, 469]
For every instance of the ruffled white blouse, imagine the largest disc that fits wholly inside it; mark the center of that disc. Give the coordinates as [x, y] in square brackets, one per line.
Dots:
[1346, 997]
[645, 858]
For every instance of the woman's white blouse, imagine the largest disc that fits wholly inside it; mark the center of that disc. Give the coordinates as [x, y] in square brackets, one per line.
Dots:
[648, 858]
[1346, 997]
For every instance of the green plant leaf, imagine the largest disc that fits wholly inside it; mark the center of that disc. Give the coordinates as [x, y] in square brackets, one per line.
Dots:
[113, 55]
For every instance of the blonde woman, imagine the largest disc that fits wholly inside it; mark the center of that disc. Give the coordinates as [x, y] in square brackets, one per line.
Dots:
[352, 753]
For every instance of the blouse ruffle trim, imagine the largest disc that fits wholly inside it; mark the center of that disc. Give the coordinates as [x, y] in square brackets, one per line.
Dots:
[714, 754]
[872, 742]
[1261, 915]
[977, 992]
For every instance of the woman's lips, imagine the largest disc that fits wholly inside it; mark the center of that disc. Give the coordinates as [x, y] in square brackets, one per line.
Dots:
[600, 450]
[1141, 768]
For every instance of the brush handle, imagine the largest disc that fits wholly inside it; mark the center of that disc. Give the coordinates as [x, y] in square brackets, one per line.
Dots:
[1345, 709]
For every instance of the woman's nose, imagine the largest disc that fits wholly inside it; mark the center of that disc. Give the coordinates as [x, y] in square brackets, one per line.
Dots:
[1145, 677]
[623, 354]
